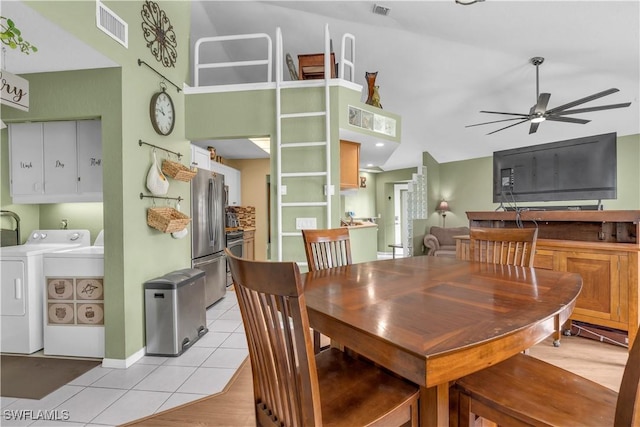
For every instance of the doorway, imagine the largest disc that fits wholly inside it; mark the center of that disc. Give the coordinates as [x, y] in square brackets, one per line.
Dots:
[400, 231]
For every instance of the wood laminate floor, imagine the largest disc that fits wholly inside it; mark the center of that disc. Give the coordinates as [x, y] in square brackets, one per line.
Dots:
[598, 361]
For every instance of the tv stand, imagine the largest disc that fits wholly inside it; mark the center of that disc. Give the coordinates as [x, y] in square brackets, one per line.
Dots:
[597, 207]
[602, 246]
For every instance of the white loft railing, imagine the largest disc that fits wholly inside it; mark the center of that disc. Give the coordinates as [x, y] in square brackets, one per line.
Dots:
[246, 63]
[347, 56]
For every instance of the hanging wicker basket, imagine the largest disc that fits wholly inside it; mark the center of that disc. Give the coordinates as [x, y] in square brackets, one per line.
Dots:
[177, 171]
[167, 220]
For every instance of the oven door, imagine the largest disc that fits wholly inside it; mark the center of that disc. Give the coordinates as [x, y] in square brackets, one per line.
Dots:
[236, 247]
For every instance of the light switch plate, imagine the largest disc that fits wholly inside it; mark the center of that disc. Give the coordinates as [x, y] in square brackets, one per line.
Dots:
[306, 223]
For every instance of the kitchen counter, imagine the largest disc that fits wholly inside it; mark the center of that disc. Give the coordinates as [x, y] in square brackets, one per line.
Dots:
[358, 224]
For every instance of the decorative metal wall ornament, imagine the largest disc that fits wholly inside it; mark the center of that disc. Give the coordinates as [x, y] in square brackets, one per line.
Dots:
[158, 33]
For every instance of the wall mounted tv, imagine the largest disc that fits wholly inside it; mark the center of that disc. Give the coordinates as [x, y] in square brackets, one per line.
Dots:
[575, 169]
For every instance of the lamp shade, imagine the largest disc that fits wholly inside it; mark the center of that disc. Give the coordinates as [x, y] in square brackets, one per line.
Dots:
[443, 206]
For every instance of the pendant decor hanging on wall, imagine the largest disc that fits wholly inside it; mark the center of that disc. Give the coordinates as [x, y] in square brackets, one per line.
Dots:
[159, 34]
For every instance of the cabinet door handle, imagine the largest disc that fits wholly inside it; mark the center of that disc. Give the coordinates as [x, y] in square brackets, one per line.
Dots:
[17, 284]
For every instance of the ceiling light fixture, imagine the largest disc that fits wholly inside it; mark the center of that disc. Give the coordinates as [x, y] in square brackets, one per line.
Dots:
[468, 2]
[263, 143]
[538, 119]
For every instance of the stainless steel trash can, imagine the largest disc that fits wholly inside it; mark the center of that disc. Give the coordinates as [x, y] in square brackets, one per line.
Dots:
[175, 315]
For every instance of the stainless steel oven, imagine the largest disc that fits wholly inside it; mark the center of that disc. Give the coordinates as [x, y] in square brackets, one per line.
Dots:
[235, 244]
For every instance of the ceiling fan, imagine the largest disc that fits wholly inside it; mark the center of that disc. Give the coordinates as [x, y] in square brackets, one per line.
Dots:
[539, 113]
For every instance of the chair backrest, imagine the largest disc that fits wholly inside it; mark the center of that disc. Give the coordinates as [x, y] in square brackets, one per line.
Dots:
[628, 404]
[508, 246]
[274, 313]
[327, 248]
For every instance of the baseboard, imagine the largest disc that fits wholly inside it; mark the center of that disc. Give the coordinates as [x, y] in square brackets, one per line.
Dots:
[124, 363]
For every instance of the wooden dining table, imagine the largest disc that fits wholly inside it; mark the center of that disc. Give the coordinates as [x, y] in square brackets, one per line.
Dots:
[433, 320]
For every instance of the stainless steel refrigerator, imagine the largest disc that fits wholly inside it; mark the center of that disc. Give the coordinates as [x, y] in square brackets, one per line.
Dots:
[207, 232]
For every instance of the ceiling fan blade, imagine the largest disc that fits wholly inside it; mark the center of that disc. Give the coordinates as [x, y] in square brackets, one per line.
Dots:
[494, 121]
[508, 114]
[583, 100]
[507, 127]
[534, 127]
[589, 109]
[567, 120]
[541, 106]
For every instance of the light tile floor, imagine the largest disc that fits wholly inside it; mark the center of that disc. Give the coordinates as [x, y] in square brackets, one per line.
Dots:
[109, 397]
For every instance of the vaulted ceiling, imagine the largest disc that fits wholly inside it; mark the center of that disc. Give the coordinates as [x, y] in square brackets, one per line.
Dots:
[439, 63]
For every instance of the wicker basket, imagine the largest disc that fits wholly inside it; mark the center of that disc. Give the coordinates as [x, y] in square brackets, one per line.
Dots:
[167, 220]
[177, 171]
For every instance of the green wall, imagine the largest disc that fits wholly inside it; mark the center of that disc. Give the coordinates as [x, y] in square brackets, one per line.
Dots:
[134, 252]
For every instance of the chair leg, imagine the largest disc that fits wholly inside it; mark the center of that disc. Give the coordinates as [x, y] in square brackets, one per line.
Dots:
[317, 346]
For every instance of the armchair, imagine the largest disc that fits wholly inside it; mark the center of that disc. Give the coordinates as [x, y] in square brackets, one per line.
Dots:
[440, 242]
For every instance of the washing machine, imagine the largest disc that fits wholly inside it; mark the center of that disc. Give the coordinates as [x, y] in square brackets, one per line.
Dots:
[21, 287]
[74, 301]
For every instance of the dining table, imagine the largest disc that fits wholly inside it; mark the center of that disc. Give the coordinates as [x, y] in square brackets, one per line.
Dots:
[432, 320]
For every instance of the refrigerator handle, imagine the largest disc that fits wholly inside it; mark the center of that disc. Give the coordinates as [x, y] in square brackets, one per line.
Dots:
[211, 211]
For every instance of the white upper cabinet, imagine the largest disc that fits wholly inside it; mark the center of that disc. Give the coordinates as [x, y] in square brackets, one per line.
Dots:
[232, 179]
[89, 134]
[26, 159]
[56, 162]
[200, 157]
[60, 161]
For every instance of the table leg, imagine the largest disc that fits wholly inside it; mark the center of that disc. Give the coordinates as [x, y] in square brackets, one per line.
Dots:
[434, 406]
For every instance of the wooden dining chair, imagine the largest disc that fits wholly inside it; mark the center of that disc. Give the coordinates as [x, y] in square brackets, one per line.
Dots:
[292, 385]
[326, 248]
[509, 246]
[525, 391]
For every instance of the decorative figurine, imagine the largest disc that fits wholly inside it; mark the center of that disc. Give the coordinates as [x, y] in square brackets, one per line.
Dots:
[373, 94]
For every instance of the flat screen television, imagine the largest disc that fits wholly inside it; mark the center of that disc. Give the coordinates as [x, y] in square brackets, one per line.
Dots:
[575, 169]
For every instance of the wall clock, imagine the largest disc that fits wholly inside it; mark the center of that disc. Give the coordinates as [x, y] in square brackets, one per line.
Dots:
[158, 33]
[162, 113]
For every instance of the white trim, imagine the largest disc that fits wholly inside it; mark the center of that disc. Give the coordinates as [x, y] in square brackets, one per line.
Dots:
[124, 363]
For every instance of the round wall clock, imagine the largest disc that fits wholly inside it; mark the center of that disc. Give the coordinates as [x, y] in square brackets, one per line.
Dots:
[162, 113]
[158, 33]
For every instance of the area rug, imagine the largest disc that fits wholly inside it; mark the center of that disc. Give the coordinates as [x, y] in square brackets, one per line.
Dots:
[31, 377]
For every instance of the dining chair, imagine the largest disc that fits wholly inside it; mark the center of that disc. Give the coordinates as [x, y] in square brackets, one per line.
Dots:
[524, 390]
[509, 246]
[292, 385]
[326, 248]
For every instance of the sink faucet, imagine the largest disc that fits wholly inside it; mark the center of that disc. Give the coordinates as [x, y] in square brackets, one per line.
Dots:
[64, 224]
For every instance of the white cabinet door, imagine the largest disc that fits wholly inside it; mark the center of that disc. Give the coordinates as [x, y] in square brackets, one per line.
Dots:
[13, 288]
[200, 157]
[60, 159]
[231, 180]
[89, 140]
[25, 151]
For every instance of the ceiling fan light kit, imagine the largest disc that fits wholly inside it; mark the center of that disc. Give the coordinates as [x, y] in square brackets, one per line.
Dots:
[539, 112]
[468, 2]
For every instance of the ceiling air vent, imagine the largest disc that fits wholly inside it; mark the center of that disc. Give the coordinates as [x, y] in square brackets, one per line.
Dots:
[114, 26]
[380, 10]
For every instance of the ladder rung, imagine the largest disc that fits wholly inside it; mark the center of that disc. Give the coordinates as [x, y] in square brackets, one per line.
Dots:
[292, 234]
[299, 115]
[302, 204]
[302, 174]
[303, 144]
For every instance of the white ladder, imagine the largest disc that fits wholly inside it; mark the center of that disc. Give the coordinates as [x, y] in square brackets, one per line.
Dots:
[326, 143]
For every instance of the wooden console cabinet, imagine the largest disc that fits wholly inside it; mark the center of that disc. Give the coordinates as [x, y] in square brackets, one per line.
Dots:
[602, 246]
